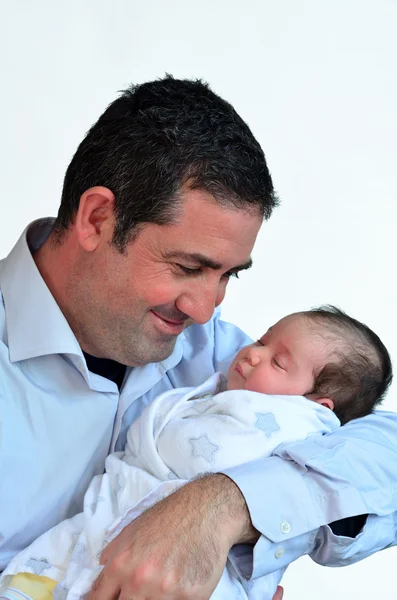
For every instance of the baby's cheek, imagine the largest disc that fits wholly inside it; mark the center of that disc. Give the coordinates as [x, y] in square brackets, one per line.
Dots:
[260, 381]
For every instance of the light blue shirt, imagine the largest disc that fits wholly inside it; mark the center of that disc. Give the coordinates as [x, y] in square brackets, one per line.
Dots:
[58, 421]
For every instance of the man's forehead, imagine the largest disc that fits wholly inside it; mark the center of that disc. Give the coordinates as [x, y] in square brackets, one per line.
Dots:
[214, 236]
[199, 209]
[190, 197]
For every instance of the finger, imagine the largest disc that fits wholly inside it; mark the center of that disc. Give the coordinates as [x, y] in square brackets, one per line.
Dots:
[104, 587]
[279, 593]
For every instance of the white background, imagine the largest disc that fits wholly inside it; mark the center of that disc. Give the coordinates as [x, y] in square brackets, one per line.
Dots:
[317, 82]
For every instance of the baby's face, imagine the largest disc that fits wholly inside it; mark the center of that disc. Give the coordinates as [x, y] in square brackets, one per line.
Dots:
[284, 361]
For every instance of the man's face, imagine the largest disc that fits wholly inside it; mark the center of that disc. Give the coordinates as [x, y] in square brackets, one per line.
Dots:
[132, 306]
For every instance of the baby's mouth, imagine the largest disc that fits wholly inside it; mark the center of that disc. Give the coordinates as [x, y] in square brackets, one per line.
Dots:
[239, 370]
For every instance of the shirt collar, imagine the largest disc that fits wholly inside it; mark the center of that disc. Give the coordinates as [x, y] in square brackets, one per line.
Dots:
[36, 325]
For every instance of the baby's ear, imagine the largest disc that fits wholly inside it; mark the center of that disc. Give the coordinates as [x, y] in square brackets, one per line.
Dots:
[327, 402]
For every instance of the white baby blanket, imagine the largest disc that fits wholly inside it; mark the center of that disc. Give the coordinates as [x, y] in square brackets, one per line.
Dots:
[181, 434]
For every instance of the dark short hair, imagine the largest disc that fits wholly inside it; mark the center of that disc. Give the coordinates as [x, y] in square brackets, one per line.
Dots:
[358, 376]
[157, 137]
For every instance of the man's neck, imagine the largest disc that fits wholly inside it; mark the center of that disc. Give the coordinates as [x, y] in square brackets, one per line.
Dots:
[55, 262]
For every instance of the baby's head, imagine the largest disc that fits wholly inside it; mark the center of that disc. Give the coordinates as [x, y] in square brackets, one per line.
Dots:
[322, 354]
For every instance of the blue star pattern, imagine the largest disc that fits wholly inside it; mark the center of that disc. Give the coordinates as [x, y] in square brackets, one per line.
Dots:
[202, 406]
[171, 475]
[78, 553]
[219, 416]
[203, 448]
[60, 592]
[98, 554]
[200, 397]
[267, 423]
[126, 508]
[93, 505]
[38, 565]
[118, 488]
[74, 537]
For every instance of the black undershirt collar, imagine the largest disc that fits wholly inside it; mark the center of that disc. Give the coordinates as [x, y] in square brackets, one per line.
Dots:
[110, 369]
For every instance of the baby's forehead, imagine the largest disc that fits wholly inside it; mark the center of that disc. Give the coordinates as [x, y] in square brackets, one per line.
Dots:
[295, 324]
[297, 328]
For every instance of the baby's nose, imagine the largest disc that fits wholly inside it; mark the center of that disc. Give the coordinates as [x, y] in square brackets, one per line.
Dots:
[253, 357]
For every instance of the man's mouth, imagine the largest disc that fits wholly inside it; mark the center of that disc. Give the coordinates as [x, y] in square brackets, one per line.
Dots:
[167, 325]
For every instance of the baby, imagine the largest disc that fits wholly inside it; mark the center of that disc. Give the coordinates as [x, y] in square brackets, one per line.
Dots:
[322, 354]
[310, 372]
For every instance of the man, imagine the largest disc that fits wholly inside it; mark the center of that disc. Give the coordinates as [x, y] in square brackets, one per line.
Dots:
[113, 304]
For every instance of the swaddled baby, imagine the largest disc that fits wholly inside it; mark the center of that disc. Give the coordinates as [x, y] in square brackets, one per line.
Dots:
[310, 372]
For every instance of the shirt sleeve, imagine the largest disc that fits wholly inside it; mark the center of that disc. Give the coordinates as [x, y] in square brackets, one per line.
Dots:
[293, 495]
[378, 533]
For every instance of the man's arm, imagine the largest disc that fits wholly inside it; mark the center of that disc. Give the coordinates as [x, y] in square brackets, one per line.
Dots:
[178, 548]
[318, 481]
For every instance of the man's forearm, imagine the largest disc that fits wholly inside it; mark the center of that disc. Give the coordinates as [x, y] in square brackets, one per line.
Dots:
[224, 497]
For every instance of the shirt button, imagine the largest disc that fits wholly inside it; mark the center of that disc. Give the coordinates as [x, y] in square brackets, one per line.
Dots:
[279, 552]
[285, 527]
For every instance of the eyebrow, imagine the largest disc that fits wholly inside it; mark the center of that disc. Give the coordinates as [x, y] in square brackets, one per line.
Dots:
[205, 261]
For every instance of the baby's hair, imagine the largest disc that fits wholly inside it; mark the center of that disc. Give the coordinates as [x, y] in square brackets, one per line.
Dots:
[360, 371]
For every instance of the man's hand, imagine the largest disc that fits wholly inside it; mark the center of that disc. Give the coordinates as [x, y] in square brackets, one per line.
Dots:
[279, 594]
[178, 548]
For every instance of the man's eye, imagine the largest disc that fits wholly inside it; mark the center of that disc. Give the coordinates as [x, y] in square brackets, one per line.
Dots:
[189, 270]
[231, 274]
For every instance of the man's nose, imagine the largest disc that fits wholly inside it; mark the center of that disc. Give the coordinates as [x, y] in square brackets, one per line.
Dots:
[200, 300]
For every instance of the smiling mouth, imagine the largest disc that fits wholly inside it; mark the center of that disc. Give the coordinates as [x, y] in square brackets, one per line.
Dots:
[170, 321]
[169, 326]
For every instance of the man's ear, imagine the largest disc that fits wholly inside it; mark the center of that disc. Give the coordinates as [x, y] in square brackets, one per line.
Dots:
[95, 217]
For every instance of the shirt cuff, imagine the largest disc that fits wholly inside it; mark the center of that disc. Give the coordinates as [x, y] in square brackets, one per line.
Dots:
[281, 512]
[287, 506]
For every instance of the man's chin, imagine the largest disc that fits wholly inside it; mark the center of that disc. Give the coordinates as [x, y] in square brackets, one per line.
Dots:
[153, 351]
